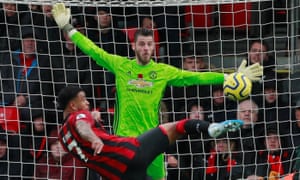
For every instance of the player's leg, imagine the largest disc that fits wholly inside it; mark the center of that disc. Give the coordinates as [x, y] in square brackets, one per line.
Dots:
[175, 130]
[157, 140]
[152, 143]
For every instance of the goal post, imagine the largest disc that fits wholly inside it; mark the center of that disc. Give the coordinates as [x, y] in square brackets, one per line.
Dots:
[218, 32]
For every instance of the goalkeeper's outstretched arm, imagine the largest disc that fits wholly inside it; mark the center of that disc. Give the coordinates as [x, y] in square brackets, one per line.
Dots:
[62, 17]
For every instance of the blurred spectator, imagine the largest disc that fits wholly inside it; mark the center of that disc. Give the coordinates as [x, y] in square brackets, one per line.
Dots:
[26, 77]
[34, 139]
[189, 150]
[148, 23]
[58, 164]
[40, 17]
[222, 161]
[294, 136]
[259, 52]
[33, 16]
[10, 27]
[113, 41]
[72, 67]
[169, 25]
[109, 38]
[178, 97]
[194, 61]
[50, 32]
[221, 108]
[274, 161]
[10, 165]
[295, 175]
[249, 135]
[164, 113]
[274, 111]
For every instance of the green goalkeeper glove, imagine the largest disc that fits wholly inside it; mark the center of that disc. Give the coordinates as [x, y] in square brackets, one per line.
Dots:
[62, 16]
[254, 72]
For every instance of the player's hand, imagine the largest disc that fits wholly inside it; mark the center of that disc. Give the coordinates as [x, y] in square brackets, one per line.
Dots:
[97, 116]
[97, 145]
[61, 15]
[172, 161]
[254, 72]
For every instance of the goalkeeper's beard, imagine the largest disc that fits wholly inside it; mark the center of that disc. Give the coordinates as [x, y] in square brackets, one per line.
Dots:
[142, 59]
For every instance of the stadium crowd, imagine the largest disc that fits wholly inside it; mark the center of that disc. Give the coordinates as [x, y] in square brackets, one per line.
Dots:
[37, 60]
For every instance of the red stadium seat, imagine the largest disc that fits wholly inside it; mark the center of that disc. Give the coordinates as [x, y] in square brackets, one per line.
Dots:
[130, 33]
[199, 16]
[236, 15]
[9, 118]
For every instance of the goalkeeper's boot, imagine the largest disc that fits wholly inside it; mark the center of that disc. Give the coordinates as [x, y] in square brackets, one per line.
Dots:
[217, 129]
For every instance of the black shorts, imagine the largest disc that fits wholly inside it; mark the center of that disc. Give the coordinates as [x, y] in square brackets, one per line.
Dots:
[153, 143]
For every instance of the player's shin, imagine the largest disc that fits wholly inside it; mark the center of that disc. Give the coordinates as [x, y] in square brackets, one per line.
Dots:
[192, 126]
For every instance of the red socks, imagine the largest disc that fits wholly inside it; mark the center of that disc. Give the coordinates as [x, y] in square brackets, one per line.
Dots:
[180, 126]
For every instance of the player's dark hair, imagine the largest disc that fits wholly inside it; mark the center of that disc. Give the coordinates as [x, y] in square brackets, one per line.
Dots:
[142, 32]
[66, 95]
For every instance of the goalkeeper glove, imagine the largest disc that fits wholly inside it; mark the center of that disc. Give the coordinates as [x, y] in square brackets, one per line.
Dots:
[62, 16]
[253, 72]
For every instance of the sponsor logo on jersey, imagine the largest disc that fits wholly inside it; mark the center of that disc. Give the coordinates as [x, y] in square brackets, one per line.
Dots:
[80, 116]
[140, 82]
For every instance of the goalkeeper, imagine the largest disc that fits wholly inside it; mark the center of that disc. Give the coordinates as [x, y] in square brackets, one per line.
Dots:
[140, 83]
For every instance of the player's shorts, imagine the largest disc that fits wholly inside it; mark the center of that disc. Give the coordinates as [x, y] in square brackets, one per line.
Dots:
[152, 144]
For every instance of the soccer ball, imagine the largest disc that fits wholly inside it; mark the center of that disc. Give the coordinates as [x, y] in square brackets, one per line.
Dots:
[237, 86]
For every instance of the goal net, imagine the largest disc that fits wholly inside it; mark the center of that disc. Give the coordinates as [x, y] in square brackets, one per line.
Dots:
[195, 35]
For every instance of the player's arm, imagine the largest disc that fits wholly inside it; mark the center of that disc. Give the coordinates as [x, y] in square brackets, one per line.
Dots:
[180, 77]
[62, 17]
[85, 131]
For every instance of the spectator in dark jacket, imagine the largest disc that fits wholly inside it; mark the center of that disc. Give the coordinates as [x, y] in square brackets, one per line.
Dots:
[10, 27]
[220, 107]
[294, 136]
[274, 161]
[222, 161]
[26, 77]
[10, 165]
[259, 53]
[34, 139]
[73, 67]
[273, 110]
[176, 98]
[190, 149]
[113, 41]
[250, 135]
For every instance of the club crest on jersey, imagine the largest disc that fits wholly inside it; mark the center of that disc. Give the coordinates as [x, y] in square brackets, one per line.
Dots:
[153, 75]
[80, 116]
[140, 82]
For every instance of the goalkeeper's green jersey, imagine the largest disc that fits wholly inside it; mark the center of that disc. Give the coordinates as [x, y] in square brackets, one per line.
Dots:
[140, 88]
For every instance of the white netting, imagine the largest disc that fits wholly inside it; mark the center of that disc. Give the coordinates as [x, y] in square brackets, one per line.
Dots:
[219, 32]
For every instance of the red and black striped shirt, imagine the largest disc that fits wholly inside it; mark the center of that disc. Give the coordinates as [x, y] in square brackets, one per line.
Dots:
[115, 156]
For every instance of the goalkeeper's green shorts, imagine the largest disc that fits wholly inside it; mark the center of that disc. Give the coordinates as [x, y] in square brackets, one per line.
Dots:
[156, 170]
